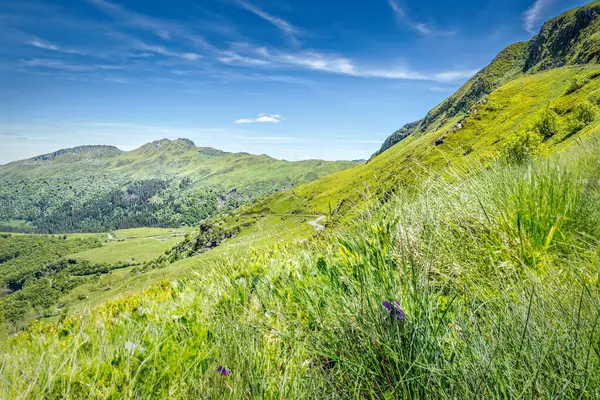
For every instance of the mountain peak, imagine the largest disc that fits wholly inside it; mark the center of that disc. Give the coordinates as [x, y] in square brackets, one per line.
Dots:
[177, 146]
[567, 39]
[99, 150]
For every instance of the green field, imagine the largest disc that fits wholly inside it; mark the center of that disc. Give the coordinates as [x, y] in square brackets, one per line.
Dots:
[134, 246]
[129, 251]
[135, 233]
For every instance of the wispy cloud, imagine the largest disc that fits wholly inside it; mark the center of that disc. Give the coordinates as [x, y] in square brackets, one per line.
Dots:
[315, 61]
[449, 76]
[65, 66]
[535, 14]
[420, 27]
[186, 45]
[289, 30]
[162, 50]
[163, 29]
[43, 44]
[273, 118]
[231, 57]
[119, 80]
[268, 139]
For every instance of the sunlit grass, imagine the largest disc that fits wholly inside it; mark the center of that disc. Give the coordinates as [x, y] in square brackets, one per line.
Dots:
[497, 274]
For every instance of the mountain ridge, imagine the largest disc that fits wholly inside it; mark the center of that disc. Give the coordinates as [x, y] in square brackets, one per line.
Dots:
[177, 146]
[569, 39]
[164, 183]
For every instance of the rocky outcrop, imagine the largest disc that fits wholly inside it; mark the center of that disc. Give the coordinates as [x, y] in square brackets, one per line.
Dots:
[397, 136]
[566, 39]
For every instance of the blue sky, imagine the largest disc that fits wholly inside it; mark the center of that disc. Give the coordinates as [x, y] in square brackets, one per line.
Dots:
[294, 79]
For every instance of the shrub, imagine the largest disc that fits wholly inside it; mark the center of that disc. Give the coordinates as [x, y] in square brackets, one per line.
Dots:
[575, 85]
[594, 97]
[582, 115]
[547, 124]
[522, 145]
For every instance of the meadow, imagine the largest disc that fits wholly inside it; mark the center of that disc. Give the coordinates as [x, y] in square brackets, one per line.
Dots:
[495, 275]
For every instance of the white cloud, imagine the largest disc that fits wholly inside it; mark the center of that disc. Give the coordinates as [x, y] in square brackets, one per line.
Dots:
[163, 29]
[158, 49]
[273, 118]
[119, 80]
[72, 67]
[417, 26]
[454, 75]
[42, 44]
[141, 55]
[267, 139]
[284, 26]
[315, 61]
[534, 14]
[231, 57]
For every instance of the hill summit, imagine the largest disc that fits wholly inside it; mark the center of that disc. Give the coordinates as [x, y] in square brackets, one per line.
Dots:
[162, 183]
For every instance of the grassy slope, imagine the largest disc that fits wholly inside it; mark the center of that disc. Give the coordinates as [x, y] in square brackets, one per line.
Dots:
[495, 273]
[509, 108]
[282, 218]
[572, 38]
[260, 233]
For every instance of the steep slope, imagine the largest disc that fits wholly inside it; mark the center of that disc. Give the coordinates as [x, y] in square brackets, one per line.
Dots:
[486, 130]
[163, 183]
[570, 39]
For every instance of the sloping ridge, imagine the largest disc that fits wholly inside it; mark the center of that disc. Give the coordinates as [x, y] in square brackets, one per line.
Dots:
[424, 148]
[569, 39]
[97, 150]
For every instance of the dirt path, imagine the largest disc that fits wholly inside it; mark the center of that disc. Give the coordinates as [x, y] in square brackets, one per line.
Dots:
[316, 223]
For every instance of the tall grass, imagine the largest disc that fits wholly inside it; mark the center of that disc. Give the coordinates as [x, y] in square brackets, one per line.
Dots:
[496, 273]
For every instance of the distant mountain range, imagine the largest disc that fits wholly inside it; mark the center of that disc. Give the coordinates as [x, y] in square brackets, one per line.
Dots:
[163, 183]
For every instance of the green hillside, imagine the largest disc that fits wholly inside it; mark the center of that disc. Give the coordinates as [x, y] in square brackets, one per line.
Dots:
[569, 39]
[164, 183]
[494, 274]
[487, 129]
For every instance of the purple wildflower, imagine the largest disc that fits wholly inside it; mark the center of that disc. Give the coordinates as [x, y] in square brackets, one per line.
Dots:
[395, 309]
[223, 371]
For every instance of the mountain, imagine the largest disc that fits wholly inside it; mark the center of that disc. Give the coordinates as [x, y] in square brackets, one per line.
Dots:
[573, 38]
[96, 151]
[163, 183]
[474, 125]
